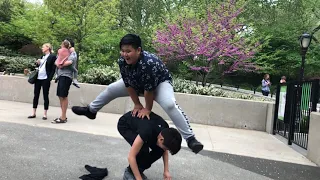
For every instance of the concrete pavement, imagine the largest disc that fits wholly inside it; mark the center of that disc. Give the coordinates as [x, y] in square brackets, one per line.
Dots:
[37, 149]
[49, 154]
[227, 140]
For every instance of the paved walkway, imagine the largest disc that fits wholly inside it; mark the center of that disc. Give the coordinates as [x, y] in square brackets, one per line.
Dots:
[36, 149]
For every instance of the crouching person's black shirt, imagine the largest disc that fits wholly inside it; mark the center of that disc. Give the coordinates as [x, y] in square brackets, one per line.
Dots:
[147, 129]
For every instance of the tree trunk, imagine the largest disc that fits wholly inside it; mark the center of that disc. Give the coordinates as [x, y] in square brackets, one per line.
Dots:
[204, 79]
[79, 51]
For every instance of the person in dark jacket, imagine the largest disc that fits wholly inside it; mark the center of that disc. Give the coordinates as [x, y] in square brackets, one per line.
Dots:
[47, 68]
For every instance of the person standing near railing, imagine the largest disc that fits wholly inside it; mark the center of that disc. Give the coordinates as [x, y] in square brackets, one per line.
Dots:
[283, 80]
[266, 85]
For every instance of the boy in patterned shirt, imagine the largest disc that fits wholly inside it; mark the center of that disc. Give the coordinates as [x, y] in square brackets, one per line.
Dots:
[143, 73]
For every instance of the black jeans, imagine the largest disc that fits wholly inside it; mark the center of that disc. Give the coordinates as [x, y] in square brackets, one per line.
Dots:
[45, 84]
[145, 158]
[265, 93]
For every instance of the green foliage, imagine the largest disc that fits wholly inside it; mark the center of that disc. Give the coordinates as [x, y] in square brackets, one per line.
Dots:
[5, 51]
[184, 86]
[16, 64]
[283, 22]
[102, 48]
[10, 35]
[81, 19]
[35, 23]
[97, 26]
[10, 8]
[101, 74]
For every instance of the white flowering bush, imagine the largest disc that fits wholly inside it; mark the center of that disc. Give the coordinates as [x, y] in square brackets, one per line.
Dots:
[16, 64]
[184, 86]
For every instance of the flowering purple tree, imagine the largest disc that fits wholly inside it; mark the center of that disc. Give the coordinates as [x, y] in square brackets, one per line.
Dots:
[203, 43]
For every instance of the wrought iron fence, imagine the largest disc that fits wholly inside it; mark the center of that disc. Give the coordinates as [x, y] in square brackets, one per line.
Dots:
[294, 103]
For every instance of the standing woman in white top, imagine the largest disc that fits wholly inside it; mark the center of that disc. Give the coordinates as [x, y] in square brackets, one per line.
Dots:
[46, 72]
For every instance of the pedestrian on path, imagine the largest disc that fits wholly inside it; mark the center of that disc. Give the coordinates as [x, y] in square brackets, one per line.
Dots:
[65, 76]
[46, 72]
[143, 135]
[266, 85]
[67, 47]
[143, 73]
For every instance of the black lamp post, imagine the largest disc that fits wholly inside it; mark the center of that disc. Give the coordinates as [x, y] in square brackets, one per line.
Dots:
[305, 40]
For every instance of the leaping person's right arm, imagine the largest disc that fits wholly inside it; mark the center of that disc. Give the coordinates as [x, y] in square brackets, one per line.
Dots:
[135, 149]
[137, 104]
[131, 91]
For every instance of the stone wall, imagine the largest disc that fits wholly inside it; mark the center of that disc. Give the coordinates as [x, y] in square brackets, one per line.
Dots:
[314, 138]
[207, 110]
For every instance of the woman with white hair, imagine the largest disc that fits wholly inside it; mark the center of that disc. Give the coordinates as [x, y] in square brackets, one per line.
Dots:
[45, 74]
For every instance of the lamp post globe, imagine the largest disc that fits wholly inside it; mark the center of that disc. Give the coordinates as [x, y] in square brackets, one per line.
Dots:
[305, 40]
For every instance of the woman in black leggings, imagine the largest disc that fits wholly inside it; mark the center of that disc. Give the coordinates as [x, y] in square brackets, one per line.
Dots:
[46, 72]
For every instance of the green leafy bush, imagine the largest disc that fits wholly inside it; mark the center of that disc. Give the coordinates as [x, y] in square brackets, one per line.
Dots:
[16, 64]
[6, 52]
[184, 86]
[101, 74]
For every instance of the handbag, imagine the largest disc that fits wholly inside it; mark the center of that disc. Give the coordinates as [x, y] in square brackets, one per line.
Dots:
[34, 75]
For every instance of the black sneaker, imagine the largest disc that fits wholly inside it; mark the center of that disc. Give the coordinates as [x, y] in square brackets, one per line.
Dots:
[83, 111]
[128, 175]
[194, 145]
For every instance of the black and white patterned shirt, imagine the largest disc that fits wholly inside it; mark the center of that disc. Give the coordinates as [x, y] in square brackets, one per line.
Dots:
[146, 74]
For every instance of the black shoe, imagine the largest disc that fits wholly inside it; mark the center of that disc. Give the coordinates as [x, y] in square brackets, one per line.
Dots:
[194, 145]
[128, 175]
[144, 177]
[32, 116]
[83, 111]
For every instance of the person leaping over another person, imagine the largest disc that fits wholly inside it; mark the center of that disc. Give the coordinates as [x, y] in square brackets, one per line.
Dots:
[143, 135]
[143, 73]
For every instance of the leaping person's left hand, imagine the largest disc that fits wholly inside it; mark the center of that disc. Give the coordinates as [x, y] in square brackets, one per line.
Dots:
[144, 113]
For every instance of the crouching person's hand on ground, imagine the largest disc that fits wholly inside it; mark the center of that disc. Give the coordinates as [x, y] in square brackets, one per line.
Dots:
[167, 176]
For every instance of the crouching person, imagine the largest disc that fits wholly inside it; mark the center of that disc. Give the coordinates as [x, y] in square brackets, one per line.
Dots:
[143, 135]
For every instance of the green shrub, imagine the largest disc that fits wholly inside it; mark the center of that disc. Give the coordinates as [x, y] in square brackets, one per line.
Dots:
[101, 74]
[6, 52]
[184, 86]
[16, 64]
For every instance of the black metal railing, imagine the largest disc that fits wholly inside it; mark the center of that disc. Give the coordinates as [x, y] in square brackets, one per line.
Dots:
[294, 103]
